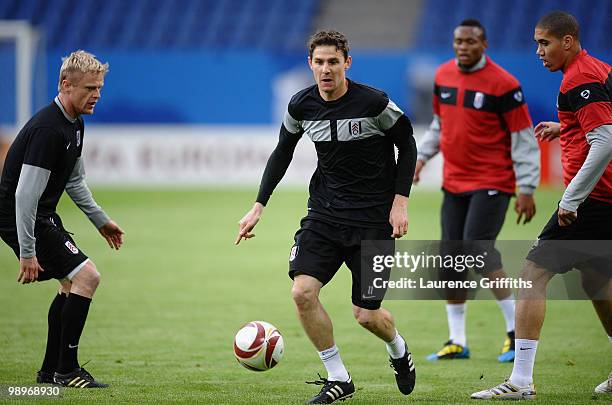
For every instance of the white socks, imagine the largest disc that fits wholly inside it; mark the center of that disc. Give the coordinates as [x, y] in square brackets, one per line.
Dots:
[456, 323]
[397, 347]
[507, 307]
[456, 319]
[333, 364]
[522, 372]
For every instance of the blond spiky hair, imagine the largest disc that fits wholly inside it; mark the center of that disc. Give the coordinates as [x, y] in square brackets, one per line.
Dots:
[80, 62]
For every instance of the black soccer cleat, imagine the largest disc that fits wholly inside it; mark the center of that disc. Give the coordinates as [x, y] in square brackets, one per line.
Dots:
[79, 378]
[332, 391]
[405, 373]
[43, 377]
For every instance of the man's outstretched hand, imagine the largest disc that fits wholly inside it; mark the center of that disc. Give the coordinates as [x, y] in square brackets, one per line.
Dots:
[248, 222]
[525, 208]
[113, 234]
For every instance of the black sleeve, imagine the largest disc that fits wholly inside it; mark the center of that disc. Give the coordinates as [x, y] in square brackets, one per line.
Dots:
[82, 136]
[277, 164]
[401, 134]
[45, 147]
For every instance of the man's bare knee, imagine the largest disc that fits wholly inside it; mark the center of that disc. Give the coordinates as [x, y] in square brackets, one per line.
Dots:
[497, 274]
[363, 316]
[86, 281]
[65, 286]
[536, 274]
[539, 277]
[595, 285]
[305, 292]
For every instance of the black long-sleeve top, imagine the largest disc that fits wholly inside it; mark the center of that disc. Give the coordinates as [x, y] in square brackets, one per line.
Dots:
[357, 173]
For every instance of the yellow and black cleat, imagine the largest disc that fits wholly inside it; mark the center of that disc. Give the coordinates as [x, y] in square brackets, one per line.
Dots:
[507, 352]
[450, 351]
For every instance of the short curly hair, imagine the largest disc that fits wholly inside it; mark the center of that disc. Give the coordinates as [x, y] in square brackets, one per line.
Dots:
[472, 22]
[331, 37]
[560, 24]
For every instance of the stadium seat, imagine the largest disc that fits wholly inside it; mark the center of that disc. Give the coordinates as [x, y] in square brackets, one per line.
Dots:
[509, 27]
[165, 24]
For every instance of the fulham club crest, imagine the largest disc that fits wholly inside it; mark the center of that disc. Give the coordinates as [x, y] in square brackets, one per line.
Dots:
[479, 99]
[73, 249]
[355, 128]
[294, 253]
[78, 138]
[518, 96]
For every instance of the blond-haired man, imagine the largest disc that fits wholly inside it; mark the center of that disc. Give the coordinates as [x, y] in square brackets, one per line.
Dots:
[43, 161]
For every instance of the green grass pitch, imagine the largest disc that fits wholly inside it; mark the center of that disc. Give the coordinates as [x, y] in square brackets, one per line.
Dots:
[162, 322]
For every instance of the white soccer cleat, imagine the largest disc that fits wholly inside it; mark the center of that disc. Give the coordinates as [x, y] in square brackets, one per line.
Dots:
[605, 387]
[506, 390]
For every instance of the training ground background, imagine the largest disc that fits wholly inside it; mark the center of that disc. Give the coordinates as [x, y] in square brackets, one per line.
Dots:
[162, 322]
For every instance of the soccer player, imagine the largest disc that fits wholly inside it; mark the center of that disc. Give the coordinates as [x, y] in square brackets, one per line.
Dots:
[483, 129]
[43, 161]
[358, 192]
[585, 210]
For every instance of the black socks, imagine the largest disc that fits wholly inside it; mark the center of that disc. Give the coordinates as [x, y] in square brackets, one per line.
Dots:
[54, 334]
[73, 319]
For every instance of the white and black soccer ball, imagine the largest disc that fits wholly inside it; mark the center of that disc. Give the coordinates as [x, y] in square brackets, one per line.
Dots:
[258, 346]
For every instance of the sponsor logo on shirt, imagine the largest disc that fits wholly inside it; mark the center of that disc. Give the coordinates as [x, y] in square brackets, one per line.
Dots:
[479, 99]
[73, 249]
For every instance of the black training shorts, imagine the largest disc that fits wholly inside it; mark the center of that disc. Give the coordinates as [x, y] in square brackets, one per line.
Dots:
[585, 245]
[320, 248]
[475, 216]
[56, 251]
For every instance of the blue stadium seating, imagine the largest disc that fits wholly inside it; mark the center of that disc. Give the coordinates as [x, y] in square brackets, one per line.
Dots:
[167, 24]
[510, 24]
[277, 24]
